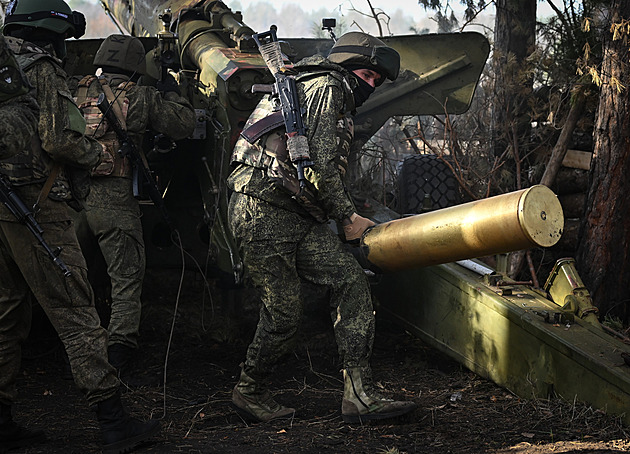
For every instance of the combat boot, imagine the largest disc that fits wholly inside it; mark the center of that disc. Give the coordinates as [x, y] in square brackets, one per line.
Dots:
[253, 401]
[12, 435]
[361, 402]
[122, 433]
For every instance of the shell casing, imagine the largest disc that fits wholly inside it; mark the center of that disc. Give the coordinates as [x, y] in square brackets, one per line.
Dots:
[505, 223]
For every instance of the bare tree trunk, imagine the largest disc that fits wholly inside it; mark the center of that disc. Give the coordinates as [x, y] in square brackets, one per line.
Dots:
[560, 149]
[603, 255]
[514, 40]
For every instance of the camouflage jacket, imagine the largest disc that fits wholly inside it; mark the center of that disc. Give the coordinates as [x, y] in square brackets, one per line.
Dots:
[19, 111]
[169, 114]
[325, 96]
[144, 108]
[18, 124]
[61, 127]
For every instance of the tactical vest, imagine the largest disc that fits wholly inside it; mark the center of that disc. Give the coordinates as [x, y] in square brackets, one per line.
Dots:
[263, 144]
[112, 162]
[34, 165]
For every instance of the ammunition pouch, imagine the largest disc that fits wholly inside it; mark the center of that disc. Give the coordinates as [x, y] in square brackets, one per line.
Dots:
[112, 162]
[283, 173]
[345, 135]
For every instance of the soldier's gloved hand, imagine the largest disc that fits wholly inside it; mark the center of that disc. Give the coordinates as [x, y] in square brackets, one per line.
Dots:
[168, 83]
[354, 227]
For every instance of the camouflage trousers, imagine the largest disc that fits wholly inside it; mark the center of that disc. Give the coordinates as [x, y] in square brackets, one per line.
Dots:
[282, 249]
[67, 301]
[112, 219]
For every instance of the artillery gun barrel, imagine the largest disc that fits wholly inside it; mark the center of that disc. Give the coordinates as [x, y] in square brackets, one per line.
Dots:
[198, 39]
[220, 14]
[139, 17]
[505, 223]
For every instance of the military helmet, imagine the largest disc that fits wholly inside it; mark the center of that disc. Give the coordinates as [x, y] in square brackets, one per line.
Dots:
[53, 15]
[360, 50]
[122, 52]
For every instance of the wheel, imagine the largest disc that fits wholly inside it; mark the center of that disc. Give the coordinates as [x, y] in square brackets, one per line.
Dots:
[426, 183]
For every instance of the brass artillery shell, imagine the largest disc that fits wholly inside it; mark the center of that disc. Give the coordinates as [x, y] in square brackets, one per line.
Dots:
[505, 223]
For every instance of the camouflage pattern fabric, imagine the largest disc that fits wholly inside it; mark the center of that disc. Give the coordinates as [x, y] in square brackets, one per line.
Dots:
[68, 302]
[61, 135]
[12, 80]
[112, 214]
[281, 249]
[18, 124]
[112, 217]
[324, 97]
[24, 265]
[281, 246]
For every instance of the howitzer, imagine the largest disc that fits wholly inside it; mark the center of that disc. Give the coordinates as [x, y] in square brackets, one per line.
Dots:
[221, 63]
[128, 149]
[503, 330]
[25, 216]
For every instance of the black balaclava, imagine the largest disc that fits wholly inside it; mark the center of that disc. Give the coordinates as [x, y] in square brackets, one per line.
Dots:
[362, 91]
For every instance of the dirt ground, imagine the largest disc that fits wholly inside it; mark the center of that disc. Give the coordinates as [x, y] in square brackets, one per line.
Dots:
[203, 344]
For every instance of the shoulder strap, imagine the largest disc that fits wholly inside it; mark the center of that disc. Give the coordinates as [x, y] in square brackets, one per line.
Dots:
[84, 85]
[115, 102]
[27, 54]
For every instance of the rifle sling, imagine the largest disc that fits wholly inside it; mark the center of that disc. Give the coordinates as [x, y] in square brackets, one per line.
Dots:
[254, 131]
[54, 171]
[114, 102]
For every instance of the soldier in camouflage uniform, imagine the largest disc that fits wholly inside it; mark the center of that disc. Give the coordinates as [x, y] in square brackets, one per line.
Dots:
[112, 214]
[19, 111]
[36, 31]
[284, 237]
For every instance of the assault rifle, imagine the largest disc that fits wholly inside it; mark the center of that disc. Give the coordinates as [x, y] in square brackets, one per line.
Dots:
[25, 216]
[284, 93]
[141, 169]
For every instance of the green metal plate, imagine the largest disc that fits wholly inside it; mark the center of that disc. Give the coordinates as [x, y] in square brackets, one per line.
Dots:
[505, 339]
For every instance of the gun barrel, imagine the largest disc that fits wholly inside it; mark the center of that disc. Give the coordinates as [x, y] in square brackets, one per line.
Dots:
[509, 222]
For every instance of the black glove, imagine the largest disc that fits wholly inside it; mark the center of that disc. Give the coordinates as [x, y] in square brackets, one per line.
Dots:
[79, 180]
[168, 83]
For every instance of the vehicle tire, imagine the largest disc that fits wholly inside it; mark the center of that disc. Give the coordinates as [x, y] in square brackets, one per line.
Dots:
[420, 176]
